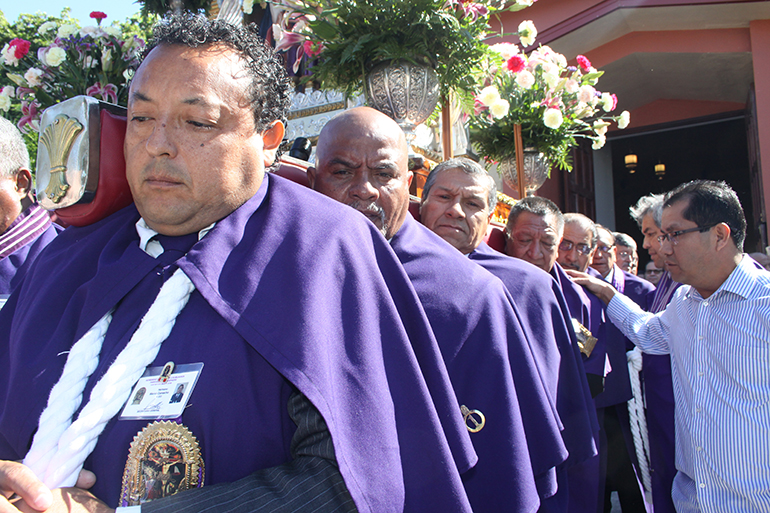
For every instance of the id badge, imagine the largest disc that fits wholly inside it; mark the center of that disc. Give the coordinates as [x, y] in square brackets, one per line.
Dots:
[162, 392]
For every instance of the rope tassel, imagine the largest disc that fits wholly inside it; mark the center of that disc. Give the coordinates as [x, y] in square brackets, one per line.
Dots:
[60, 446]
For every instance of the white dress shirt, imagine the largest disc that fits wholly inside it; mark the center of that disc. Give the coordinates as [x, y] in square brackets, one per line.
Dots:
[720, 359]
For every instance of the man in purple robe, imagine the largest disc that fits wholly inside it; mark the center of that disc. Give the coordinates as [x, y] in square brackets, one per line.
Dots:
[362, 161]
[534, 233]
[656, 368]
[622, 467]
[458, 201]
[295, 302]
[25, 228]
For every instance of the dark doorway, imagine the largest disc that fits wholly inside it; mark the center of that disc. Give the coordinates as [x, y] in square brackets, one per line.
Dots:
[711, 149]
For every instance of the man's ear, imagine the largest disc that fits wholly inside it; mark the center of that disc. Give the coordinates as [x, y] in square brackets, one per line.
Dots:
[23, 182]
[409, 177]
[722, 233]
[271, 140]
[311, 174]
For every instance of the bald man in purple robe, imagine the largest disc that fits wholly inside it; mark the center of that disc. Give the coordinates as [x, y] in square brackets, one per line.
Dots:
[299, 329]
[361, 160]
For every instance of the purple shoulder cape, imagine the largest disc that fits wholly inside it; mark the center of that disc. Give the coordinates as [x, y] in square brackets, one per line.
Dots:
[297, 277]
[491, 366]
[545, 315]
[20, 244]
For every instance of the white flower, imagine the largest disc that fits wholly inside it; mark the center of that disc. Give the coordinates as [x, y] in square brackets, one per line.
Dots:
[506, 50]
[9, 55]
[9, 91]
[55, 56]
[67, 30]
[16, 79]
[89, 62]
[525, 3]
[89, 31]
[5, 102]
[107, 59]
[499, 109]
[572, 86]
[599, 142]
[128, 74]
[46, 27]
[586, 94]
[624, 119]
[527, 33]
[600, 127]
[525, 79]
[553, 118]
[32, 76]
[248, 6]
[607, 102]
[552, 79]
[489, 95]
[112, 31]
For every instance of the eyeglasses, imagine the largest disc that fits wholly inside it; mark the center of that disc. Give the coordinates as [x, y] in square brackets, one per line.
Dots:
[653, 271]
[673, 237]
[604, 248]
[567, 245]
[625, 254]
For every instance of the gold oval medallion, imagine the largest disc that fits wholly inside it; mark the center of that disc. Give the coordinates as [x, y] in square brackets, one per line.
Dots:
[164, 459]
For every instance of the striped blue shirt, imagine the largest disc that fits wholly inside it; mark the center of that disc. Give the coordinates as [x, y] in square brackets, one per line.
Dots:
[720, 359]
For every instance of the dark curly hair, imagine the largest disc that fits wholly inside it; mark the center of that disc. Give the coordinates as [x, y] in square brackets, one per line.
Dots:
[711, 203]
[270, 87]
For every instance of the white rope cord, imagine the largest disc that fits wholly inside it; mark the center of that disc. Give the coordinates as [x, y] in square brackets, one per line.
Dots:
[638, 418]
[73, 443]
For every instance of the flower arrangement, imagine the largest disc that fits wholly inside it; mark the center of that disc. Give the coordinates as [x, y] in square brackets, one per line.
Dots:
[554, 103]
[63, 61]
[344, 39]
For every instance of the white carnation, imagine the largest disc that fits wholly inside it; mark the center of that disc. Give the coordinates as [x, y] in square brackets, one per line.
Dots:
[527, 33]
[32, 76]
[499, 109]
[46, 27]
[55, 56]
[553, 118]
[624, 119]
[489, 95]
[525, 79]
[5, 102]
[67, 30]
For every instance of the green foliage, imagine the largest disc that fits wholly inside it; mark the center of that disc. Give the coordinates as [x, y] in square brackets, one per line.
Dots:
[161, 7]
[359, 34]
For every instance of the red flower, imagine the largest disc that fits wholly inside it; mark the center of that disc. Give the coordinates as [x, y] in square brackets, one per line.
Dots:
[516, 63]
[98, 15]
[312, 48]
[20, 47]
[584, 63]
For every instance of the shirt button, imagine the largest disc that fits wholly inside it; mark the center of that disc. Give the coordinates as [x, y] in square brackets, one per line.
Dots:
[701, 337]
[702, 485]
[697, 409]
[700, 373]
[705, 303]
[699, 448]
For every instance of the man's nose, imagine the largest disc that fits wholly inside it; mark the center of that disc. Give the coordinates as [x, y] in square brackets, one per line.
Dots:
[161, 141]
[455, 211]
[363, 189]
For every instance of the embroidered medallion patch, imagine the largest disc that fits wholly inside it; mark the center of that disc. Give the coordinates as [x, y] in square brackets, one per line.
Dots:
[164, 459]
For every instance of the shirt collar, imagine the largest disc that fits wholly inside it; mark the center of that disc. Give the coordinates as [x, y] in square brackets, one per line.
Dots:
[739, 282]
[151, 246]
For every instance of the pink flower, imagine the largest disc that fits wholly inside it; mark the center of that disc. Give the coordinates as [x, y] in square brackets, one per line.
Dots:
[29, 117]
[108, 93]
[98, 15]
[313, 48]
[516, 63]
[474, 10]
[21, 47]
[584, 63]
[478, 106]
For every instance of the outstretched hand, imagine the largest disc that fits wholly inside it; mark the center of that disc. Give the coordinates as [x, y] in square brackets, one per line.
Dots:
[599, 288]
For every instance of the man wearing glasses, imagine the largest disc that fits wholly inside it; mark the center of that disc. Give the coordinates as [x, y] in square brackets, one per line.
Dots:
[716, 329]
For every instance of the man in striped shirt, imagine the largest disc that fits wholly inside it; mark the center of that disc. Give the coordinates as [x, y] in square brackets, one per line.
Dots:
[25, 228]
[717, 331]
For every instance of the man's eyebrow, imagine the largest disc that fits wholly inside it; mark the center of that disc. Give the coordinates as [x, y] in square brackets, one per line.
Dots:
[342, 161]
[137, 96]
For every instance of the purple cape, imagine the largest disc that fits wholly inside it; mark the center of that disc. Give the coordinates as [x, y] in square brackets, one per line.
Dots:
[289, 293]
[544, 314]
[659, 397]
[20, 244]
[492, 369]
